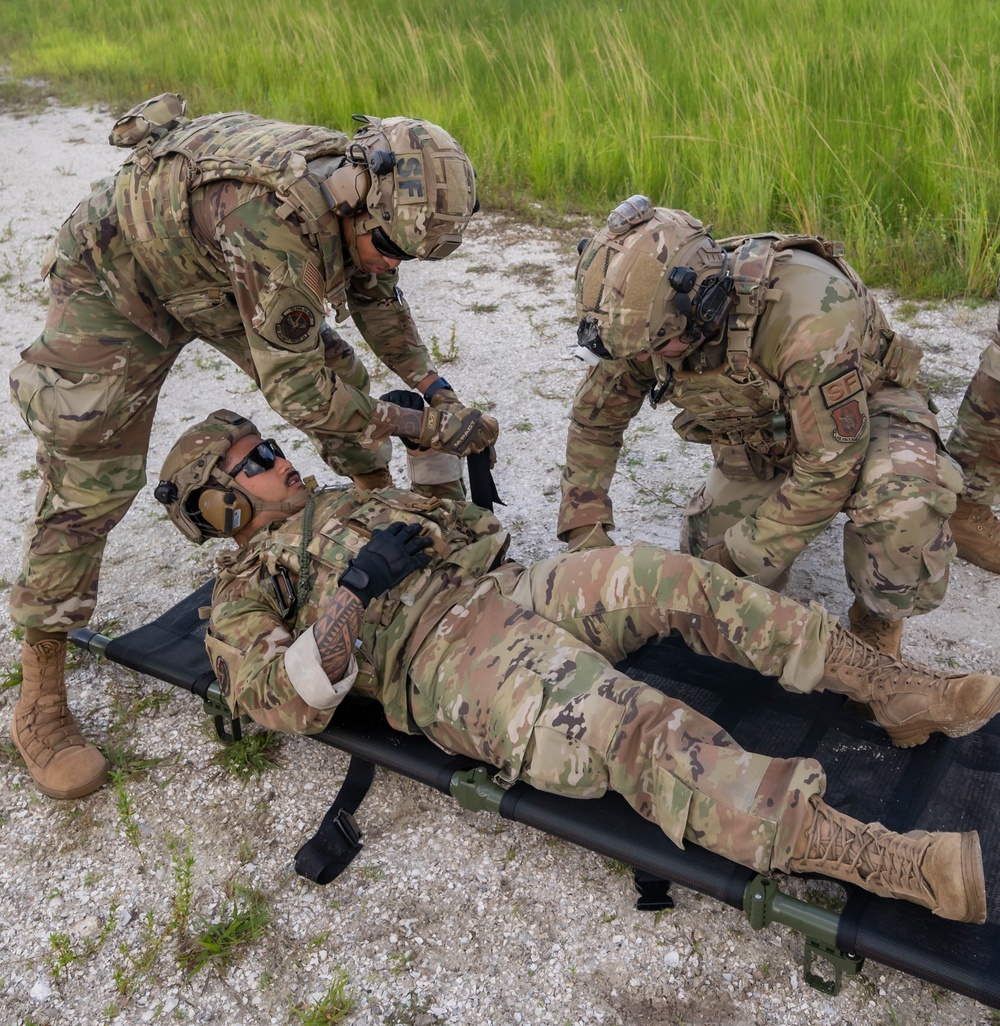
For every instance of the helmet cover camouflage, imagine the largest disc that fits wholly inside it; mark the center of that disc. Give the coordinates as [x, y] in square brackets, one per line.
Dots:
[192, 465]
[423, 189]
[624, 298]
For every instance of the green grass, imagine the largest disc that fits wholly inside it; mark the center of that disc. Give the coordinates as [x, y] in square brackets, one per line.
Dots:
[872, 122]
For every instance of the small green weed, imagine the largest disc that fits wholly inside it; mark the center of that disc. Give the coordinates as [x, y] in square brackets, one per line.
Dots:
[331, 1007]
[222, 942]
[11, 678]
[484, 308]
[449, 355]
[126, 808]
[251, 756]
[65, 953]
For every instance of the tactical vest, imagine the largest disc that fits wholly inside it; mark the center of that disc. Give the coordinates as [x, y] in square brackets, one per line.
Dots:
[467, 542]
[152, 199]
[738, 405]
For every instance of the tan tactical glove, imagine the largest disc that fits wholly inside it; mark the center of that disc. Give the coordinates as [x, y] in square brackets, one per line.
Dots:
[593, 536]
[719, 553]
[445, 399]
[458, 430]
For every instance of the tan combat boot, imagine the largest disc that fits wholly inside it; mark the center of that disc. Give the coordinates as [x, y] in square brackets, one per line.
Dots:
[380, 478]
[884, 635]
[977, 534]
[940, 871]
[63, 763]
[909, 701]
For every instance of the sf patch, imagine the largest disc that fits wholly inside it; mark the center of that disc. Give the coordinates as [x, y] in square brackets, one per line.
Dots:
[295, 324]
[841, 389]
[849, 422]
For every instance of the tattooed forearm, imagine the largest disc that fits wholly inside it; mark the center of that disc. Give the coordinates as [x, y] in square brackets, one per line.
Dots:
[408, 424]
[336, 631]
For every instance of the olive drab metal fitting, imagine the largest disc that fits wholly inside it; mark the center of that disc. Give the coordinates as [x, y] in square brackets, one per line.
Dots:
[625, 297]
[422, 189]
[191, 467]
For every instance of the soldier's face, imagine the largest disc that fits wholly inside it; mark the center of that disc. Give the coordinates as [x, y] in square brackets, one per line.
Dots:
[371, 259]
[277, 484]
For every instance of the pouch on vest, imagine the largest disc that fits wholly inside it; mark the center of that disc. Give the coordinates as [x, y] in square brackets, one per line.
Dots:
[151, 118]
[902, 360]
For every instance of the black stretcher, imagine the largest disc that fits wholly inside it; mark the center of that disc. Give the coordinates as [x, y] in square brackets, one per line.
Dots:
[944, 784]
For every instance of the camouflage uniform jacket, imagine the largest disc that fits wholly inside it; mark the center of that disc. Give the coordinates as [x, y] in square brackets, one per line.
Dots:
[264, 656]
[218, 229]
[788, 388]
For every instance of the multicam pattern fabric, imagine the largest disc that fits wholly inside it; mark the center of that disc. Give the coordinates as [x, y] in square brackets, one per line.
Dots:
[975, 439]
[213, 230]
[514, 665]
[794, 439]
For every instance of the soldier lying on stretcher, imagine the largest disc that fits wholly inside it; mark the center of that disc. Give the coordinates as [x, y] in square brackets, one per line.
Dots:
[414, 602]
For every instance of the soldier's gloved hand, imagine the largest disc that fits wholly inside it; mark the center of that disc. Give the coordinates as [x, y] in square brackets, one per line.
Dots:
[445, 399]
[593, 536]
[719, 553]
[392, 554]
[410, 401]
[459, 431]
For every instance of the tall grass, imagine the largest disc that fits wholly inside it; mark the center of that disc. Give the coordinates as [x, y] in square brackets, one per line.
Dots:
[870, 120]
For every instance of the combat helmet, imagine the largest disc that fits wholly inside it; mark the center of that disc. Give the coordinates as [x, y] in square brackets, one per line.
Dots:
[201, 498]
[412, 183]
[651, 275]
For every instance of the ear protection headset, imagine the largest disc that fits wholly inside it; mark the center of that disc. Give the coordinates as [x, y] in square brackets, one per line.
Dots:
[224, 508]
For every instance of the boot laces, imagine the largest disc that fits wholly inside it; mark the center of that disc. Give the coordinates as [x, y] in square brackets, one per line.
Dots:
[884, 672]
[984, 520]
[875, 854]
[48, 727]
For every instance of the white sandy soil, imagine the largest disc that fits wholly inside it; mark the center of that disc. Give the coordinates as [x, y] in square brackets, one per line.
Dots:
[446, 916]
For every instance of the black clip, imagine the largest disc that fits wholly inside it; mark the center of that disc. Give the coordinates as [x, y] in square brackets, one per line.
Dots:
[284, 593]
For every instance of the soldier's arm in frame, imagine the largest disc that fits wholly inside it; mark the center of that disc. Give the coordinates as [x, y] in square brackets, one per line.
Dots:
[275, 273]
[383, 317]
[609, 396]
[277, 676]
[829, 426]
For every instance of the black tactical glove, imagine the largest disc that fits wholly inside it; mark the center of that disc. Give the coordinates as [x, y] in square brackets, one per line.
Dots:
[410, 401]
[393, 553]
[458, 430]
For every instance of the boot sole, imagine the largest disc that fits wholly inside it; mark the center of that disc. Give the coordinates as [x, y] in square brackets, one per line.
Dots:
[73, 792]
[972, 874]
[916, 734]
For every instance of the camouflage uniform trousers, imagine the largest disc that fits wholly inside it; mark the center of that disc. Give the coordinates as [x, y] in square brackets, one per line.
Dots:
[93, 426]
[521, 677]
[898, 546]
[975, 439]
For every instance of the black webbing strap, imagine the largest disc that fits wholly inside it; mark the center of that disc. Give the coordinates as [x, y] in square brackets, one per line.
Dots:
[333, 847]
[482, 487]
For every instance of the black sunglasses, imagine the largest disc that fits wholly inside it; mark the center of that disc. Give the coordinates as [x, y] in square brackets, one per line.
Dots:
[387, 247]
[259, 459]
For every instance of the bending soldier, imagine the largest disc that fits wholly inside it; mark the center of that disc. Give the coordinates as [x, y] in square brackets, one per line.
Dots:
[415, 603]
[244, 232]
[975, 443]
[781, 359]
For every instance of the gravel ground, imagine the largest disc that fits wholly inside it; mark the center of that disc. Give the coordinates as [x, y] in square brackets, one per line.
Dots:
[446, 916]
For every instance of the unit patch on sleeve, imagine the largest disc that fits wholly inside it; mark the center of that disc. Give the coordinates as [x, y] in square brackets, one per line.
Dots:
[295, 324]
[849, 422]
[841, 389]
